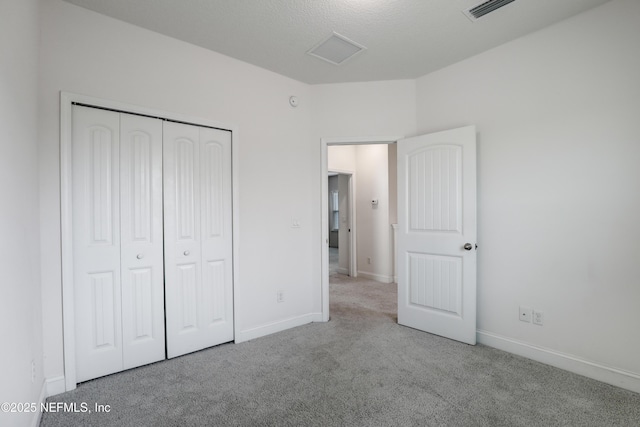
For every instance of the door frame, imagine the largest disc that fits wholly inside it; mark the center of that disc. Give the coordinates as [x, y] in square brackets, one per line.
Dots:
[351, 216]
[67, 100]
[324, 203]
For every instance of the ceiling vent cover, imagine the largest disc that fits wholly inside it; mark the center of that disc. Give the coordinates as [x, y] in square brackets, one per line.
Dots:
[336, 49]
[485, 8]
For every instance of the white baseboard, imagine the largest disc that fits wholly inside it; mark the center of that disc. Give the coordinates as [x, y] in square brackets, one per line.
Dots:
[606, 374]
[35, 421]
[274, 327]
[377, 277]
[342, 270]
[55, 385]
[317, 318]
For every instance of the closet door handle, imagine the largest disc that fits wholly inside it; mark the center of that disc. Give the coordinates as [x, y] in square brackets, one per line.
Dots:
[186, 253]
[140, 256]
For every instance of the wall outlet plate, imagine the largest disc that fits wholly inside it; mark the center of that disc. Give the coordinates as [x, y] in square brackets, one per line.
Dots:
[525, 314]
[538, 317]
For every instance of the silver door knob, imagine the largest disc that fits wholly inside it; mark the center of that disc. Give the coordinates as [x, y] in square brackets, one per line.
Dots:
[140, 256]
[468, 246]
[186, 253]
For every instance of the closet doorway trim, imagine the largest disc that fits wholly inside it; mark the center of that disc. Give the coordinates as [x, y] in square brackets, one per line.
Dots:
[67, 100]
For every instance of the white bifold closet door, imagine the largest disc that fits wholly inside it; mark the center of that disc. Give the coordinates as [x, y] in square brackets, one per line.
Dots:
[197, 237]
[117, 241]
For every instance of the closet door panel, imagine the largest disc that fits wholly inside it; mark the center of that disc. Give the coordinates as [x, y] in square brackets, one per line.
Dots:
[198, 237]
[141, 240]
[96, 242]
[183, 266]
[217, 304]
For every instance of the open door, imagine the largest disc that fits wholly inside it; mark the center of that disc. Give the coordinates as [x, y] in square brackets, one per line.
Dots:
[437, 233]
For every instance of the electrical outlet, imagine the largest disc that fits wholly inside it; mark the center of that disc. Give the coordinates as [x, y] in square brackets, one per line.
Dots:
[525, 314]
[538, 317]
[33, 371]
[368, 260]
[280, 296]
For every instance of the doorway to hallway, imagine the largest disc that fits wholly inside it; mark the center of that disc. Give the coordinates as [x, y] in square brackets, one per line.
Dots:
[364, 215]
[436, 208]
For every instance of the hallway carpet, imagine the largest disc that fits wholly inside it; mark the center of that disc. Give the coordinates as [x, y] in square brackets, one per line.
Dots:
[359, 369]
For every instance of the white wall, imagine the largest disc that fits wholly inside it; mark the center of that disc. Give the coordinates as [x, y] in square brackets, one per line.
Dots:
[20, 303]
[341, 158]
[558, 181]
[393, 202]
[393, 183]
[374, 233]
[384, 108]
[84, 52]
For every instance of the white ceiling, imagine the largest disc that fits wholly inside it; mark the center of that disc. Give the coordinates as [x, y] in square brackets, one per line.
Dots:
[405, 39]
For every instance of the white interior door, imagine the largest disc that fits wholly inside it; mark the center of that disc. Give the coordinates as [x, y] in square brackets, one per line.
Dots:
[96, 242]
[198, 237]
[437, 233]
[117, 241]
[142, 260]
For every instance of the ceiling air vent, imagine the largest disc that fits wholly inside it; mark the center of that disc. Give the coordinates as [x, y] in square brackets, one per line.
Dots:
[336, 49]
[485, 8]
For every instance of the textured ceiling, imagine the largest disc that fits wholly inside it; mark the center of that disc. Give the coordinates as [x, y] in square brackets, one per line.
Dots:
[405, 39]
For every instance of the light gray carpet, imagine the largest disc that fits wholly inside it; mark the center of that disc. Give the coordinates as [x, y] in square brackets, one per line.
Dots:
[359, 369]
[334, 260]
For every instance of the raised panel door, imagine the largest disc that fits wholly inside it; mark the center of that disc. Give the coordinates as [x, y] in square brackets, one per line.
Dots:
[437, 233]
[182, 243]
[96, 242]
[142, 260]
[217, 280]
[197, 238]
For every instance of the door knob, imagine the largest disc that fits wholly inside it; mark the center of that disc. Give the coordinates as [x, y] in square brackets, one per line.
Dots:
[140, 256]
[468, 246]
[186, 253]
